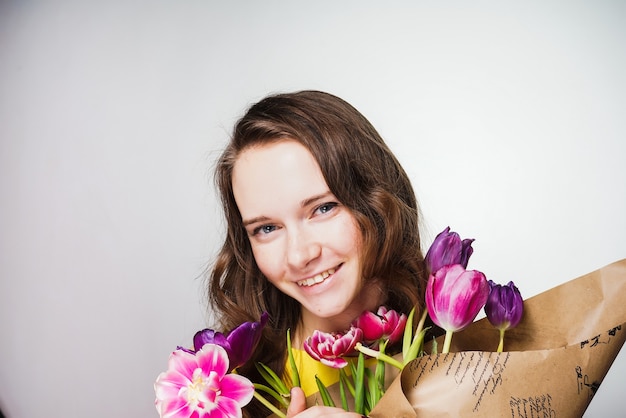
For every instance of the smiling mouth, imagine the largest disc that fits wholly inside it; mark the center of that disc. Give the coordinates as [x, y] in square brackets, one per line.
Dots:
[318, 278]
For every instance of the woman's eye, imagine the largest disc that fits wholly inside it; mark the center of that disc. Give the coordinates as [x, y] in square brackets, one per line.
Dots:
[326, 207]
[264, 229]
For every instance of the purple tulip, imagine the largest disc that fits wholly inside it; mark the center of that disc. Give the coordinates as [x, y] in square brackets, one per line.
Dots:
[384, 324]
[448, 249]
[329, 348]
[238, 343]
[454, 296]
[505, 306]
[208, 336]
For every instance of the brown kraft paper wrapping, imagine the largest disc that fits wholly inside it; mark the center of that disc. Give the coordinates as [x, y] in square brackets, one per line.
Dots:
[554, 360]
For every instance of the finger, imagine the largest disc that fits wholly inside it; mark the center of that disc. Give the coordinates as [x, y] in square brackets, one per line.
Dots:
[297, 402]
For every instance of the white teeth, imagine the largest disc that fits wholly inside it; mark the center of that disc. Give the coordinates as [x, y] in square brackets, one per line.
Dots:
[318, 278]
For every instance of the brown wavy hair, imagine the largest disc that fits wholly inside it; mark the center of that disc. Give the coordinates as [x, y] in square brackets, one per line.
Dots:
[361, 172]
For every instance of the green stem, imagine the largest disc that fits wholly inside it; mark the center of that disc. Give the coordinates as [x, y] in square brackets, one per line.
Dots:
[378, 355]
[447, 341]
[380, 374]
[501, 345]
[269, 405]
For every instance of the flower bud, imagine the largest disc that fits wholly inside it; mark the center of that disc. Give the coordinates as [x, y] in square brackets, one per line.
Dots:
[384, 324]
[505, 306]
[329, 348]
[239, 343]
[448, 249]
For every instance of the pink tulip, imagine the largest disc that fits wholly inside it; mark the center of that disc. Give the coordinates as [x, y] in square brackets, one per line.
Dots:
[198, 385]
[384, 324]
[454, 296]
[330, 348]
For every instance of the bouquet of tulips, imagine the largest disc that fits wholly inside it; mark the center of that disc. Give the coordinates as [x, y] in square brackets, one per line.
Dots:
[203, 381]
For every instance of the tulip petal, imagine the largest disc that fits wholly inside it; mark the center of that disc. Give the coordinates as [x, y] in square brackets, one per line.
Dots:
[384, 324]
[337, 362]
[238, 388]
[208, 336]
[505, 306]
[227, 408]
[454, 296]
[398, 331]
[448, 249]
[198, 386]
[169, 383]
[329, 348]
[239, 344]
[182, 362]
[243, 340]
[371, 326]
[174, 407]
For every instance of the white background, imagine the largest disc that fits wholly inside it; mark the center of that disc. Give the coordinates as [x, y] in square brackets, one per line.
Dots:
[509, 117]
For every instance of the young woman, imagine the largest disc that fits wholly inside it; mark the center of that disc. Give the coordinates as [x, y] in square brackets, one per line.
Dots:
[322, 224]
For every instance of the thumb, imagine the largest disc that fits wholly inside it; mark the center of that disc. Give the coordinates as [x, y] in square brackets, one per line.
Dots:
[297, 403]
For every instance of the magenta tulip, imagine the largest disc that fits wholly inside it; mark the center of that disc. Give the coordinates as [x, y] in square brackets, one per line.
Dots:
[384, 324]
[199, 385]
[330, 348]
[454, 296]
[448, 249]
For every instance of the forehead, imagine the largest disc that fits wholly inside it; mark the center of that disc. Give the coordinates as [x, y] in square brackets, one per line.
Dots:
[276, 172]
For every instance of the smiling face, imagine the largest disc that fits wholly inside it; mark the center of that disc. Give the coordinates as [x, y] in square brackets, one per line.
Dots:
[303, 239]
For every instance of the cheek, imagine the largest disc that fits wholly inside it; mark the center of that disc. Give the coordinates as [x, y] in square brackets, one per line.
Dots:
[266, 258]
[349, 236]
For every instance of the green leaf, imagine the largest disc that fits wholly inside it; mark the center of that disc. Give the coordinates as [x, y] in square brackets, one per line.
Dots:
[280, 398]
[295, 375]
[370, 391]
[342, 393]
[344, 376]
[408, 334]
[416, 346]
[352, 370]
[434, 347]
[269, 405]
[272, 379]
[326, 399]
[359, 385]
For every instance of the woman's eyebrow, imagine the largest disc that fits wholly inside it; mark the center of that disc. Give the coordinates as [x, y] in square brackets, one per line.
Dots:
[306, 202]
[255, 220]
[312, 199]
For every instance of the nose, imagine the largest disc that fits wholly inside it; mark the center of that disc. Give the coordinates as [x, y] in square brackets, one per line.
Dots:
[302, 248]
